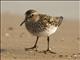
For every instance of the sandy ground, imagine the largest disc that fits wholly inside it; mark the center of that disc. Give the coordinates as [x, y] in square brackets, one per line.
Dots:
[65, 42]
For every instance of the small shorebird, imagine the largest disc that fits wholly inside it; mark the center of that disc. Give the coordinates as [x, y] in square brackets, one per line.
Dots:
[41, 25]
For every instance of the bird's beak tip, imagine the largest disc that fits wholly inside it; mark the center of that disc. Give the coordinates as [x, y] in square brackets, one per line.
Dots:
[22, 23]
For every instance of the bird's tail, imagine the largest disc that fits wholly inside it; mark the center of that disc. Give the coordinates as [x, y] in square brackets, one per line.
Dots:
[60, 20]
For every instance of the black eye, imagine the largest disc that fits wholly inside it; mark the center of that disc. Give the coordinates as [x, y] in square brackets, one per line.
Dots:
[32, 15]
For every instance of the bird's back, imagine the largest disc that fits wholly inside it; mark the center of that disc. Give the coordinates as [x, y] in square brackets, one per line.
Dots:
[46, 25]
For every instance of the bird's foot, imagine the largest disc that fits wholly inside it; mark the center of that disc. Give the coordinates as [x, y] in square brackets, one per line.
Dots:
[32, 48]
[48, 51]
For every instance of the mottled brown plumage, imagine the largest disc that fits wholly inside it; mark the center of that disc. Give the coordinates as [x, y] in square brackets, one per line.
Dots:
[41, 24]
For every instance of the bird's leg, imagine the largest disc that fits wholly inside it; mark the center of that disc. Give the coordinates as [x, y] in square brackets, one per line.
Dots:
[34, 47]
[48, 49]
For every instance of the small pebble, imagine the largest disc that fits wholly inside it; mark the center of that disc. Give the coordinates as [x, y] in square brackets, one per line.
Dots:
[50, 49]
[75, 56]
[10, 28]
[60, 56]
[78, 38]
[66, 55]
[79, 53]
[7, 34]
[15, 57]
[62, 39]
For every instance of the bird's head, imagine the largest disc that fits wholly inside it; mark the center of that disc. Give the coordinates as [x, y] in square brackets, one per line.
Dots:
[32, 15]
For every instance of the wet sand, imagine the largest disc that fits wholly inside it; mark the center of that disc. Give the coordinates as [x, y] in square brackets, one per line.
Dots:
[14, 39]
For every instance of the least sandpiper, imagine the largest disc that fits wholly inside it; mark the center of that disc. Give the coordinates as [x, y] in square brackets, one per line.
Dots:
[40, 24]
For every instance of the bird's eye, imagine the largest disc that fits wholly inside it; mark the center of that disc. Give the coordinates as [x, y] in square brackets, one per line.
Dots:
[32, 15]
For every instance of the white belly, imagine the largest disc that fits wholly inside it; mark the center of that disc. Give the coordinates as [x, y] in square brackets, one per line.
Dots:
[49, 31]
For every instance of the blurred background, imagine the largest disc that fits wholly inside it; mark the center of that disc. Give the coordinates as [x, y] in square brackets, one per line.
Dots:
[67, 9]
[14, 39]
